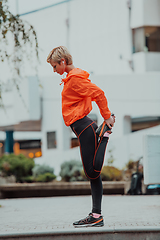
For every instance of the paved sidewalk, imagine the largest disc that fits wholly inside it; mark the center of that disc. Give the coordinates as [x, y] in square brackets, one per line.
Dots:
[56, 214]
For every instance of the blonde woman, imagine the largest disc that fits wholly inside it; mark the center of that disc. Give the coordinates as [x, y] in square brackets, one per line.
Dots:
[77, 96]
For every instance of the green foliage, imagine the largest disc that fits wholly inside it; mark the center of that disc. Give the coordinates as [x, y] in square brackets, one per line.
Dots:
[41, 169]
[110, 173]
[130, 164]
[46, 177]
[28, 179]
[21, 31]
[71, 171]
[17, 165]
[22, 168]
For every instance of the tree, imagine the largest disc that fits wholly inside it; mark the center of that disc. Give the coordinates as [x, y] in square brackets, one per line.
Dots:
[18, 41]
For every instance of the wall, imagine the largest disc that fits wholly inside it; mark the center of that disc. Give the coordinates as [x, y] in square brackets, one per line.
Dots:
[129, 147]
[145, 13]
[21, 105]
[152, 159]
[146, 62]
[151, 12]
[137, 13]
[99, 35]
[152, 61]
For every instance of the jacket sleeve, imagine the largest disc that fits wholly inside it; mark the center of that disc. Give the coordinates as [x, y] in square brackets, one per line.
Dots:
[84, 88]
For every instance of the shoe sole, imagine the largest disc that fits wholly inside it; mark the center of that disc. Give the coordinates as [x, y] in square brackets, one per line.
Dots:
[101, 224]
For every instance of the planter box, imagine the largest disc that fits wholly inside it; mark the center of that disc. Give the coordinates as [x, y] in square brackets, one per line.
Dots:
[20, 190]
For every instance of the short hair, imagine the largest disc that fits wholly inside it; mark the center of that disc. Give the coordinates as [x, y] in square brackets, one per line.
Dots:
[58, 53]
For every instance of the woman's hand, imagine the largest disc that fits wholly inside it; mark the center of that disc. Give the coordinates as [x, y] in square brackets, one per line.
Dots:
[110, 121]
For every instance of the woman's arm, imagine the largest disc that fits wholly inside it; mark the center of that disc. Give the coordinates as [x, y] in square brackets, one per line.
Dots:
[84, 88]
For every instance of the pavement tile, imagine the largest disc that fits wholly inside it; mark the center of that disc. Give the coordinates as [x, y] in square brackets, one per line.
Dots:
[58, 213]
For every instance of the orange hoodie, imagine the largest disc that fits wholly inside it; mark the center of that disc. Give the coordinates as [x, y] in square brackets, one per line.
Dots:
[77, 96]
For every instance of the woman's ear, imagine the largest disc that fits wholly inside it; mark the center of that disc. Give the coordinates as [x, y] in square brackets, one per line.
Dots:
[62, 60]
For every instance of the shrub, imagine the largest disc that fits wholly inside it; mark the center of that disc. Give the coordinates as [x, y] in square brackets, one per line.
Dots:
[28, 179]
[110, 173]
[71, 171]
[17, 165]
[130, 164]
[41, 169]
[46, 177]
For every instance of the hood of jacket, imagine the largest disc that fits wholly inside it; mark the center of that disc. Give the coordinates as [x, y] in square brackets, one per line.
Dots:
[76, 72]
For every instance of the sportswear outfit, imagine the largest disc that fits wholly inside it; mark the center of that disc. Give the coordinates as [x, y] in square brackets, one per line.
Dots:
[77, 96]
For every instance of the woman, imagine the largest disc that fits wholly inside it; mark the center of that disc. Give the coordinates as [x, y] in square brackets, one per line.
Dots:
[77, 96]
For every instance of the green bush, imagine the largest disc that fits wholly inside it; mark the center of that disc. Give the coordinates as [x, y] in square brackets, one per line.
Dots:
[17, 165]
[46, 177]
[41, 169]
[110, 173]
[71, 171]
[130, 164]
[28, 179]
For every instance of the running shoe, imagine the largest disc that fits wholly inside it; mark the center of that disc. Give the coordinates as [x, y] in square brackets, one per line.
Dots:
[90, 221]
[103, 128]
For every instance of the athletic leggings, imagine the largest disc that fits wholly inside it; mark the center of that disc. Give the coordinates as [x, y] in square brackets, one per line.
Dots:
[92, 154]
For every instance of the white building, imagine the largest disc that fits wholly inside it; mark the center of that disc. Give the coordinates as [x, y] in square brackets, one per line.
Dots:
[118, 43]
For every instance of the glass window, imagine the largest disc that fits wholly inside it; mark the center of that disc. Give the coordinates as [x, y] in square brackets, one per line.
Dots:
[51, 140]
[139, 123]
[152, 39]
[146, 39]
[74, 142]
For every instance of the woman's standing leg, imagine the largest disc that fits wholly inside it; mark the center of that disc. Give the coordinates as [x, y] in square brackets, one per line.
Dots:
[92, 154]
[97, 192]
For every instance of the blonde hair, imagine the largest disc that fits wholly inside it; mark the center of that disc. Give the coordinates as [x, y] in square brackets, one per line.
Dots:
[58, 53]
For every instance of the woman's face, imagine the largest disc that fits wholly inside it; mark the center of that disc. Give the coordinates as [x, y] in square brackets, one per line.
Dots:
[58, 68]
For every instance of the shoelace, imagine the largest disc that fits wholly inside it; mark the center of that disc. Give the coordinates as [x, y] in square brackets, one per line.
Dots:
[85, 220]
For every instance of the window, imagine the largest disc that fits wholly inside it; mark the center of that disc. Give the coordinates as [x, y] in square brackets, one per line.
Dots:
[29, 148]
[1, 148]
[51, 140]
[139, 123]
[74, 142]
[146, 39]
[152, 39]
[28, 144]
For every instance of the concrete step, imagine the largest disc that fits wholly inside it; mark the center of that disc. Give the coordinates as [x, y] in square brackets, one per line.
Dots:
[91, 234]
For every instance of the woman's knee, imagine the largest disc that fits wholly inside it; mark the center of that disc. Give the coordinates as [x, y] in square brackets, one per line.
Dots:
[92, 174]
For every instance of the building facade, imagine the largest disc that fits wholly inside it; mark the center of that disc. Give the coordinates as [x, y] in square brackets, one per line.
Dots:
[118, 43]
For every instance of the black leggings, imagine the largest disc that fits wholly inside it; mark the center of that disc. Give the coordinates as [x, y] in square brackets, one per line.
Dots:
[92, 154]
